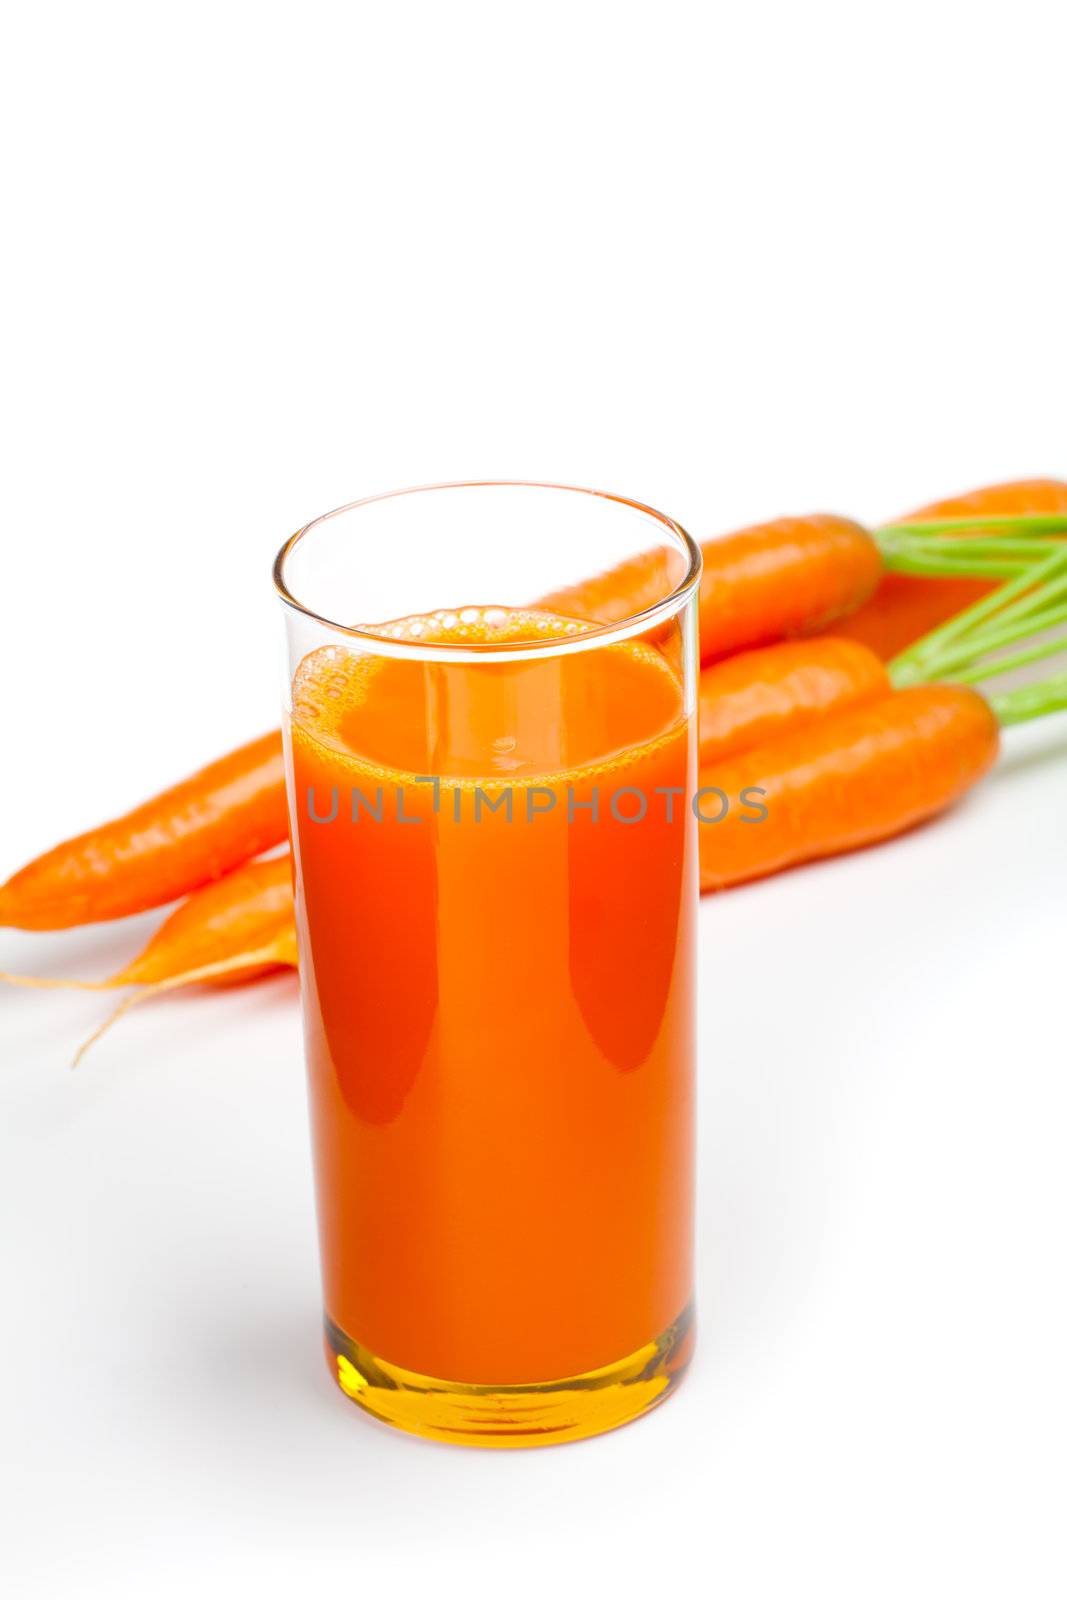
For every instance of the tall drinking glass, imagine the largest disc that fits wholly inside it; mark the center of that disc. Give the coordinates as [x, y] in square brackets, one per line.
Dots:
[490, 768]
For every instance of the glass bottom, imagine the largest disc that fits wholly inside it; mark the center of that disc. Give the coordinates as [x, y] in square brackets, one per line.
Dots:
[513, 1416]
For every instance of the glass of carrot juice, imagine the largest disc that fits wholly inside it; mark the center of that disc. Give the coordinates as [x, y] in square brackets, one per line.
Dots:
[490, 735]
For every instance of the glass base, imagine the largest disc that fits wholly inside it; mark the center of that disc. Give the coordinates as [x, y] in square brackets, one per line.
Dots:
[513, 1416]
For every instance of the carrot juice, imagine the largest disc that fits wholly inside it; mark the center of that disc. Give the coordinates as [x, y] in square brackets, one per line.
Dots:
[496, 869]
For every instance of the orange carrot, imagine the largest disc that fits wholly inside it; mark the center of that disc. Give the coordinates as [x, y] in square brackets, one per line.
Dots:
[776, 580]
[248, 910]
[859, 776]
[751, 698]
[276, 949]
[218, 935]
[904, 608]
[620, 592]
[227, 932]
[183, 838]
[1019, 496]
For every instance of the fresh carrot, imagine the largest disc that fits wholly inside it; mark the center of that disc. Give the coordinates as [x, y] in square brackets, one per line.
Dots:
[249, 910]
[218, 935]
[1018, 495]
[622, 591]
[870, 771]
[776, 580]
[859, 776]
[758, 695]
[231, 931]
[903, 608]
[276, 949]
[187, 836]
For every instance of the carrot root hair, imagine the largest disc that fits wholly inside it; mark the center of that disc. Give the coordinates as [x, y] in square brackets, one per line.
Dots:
[272, 955]
[23, 980]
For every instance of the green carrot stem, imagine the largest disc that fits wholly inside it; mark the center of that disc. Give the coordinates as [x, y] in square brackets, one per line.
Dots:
[1006, 628]
[951, 558]
[912, 664]
[976, 644]
[938, 556]
[921, 565]
[947, 663]
[1038, 601]
[1038, 524]
[1033, 700]
[1022, 658]
[1031, 549]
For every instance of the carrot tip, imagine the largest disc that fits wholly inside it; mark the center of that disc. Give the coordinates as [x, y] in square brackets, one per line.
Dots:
[271, 954]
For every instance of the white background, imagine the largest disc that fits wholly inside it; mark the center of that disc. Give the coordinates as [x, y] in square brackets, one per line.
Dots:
[734, 260]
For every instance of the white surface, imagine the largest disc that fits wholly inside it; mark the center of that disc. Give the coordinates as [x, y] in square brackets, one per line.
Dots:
[734, 261]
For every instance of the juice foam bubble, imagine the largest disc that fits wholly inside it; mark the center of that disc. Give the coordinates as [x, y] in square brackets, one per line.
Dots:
[485, 718]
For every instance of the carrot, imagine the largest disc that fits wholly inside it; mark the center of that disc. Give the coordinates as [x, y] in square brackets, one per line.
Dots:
[183, 838]
[756, 696]
[227, 932]
[276, 949]
[904, 608]
[620, 592]
[249, 909]
[776, 580]
[225, 925]
[859, 776]
[1019, 495]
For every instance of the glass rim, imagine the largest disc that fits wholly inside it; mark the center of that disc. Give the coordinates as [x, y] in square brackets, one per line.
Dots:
[593, 635]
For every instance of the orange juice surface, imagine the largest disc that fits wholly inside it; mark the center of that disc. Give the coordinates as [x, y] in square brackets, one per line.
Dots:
[496, 964]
